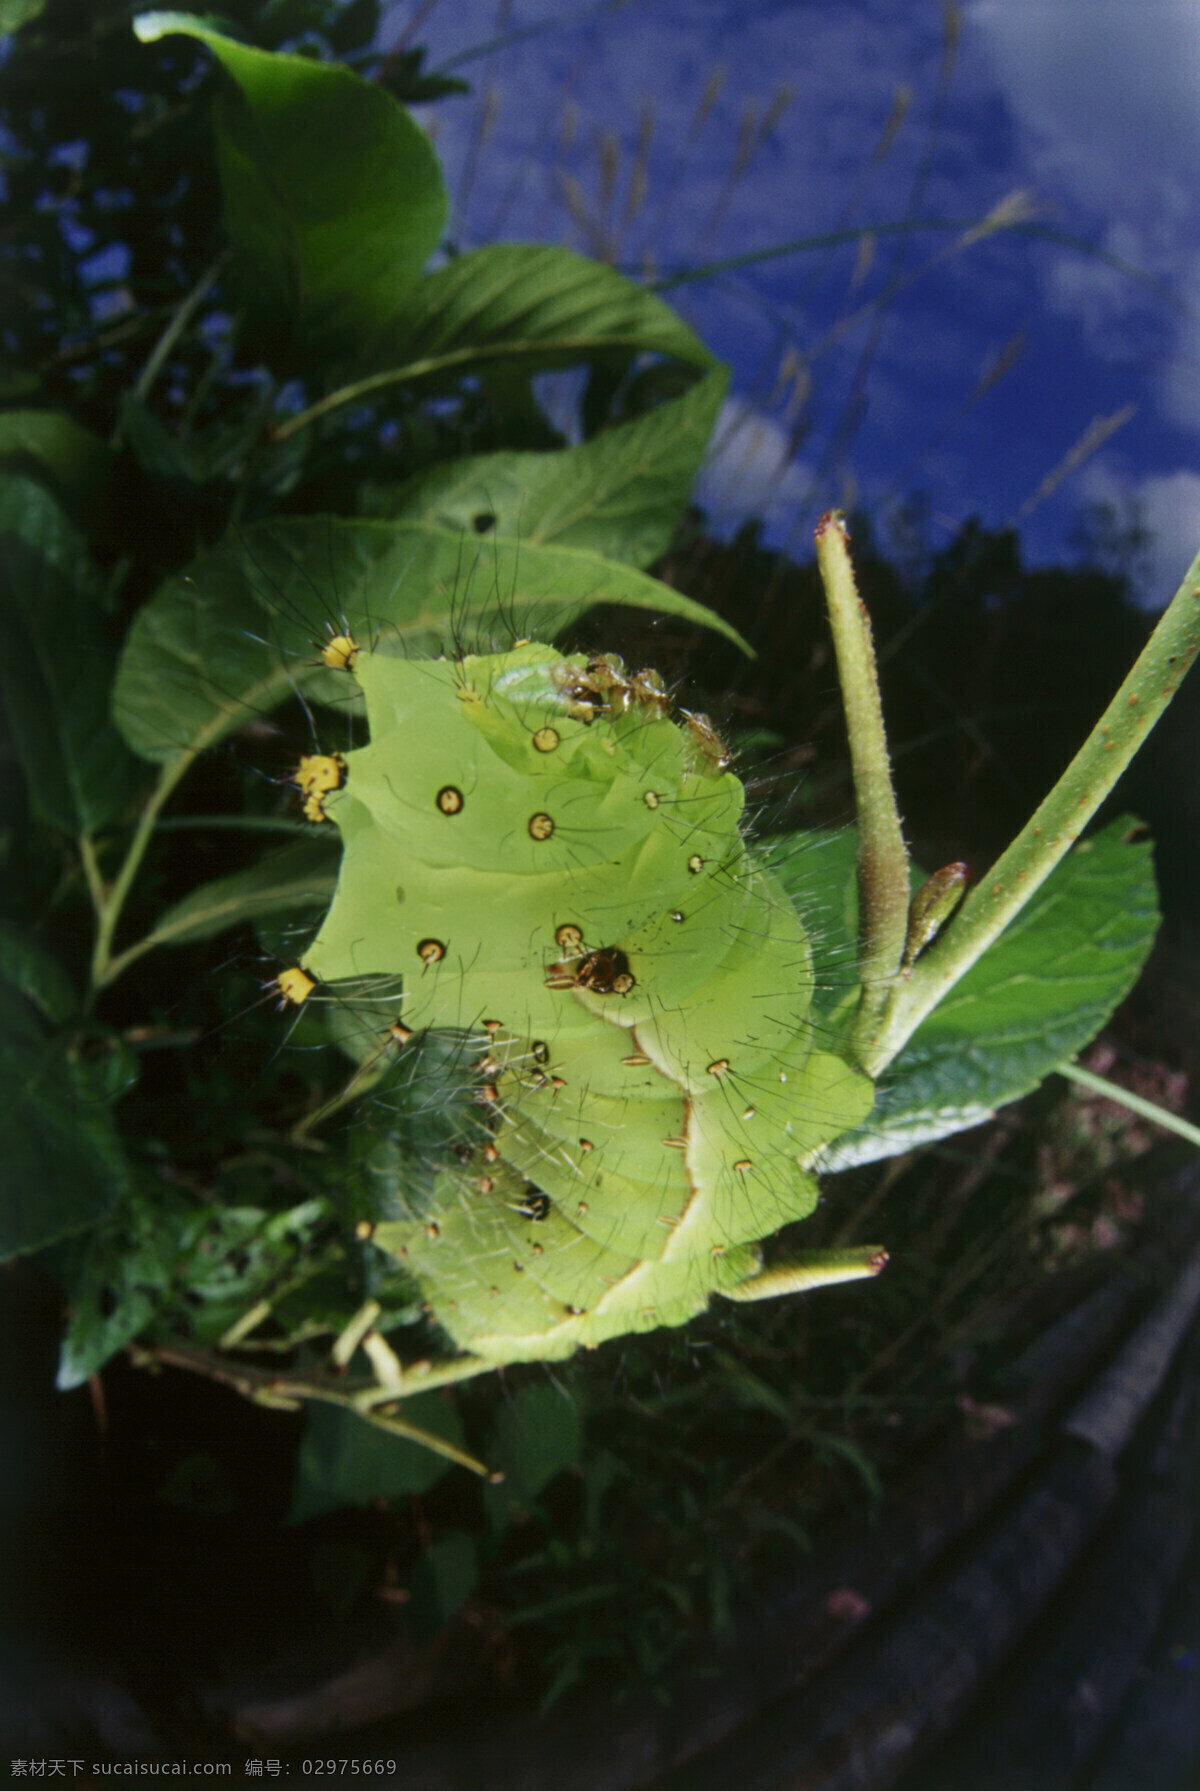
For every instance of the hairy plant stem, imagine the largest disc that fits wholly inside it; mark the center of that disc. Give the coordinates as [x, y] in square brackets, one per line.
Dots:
[289, 1392]
[1124, 1097]
[1046, 839]
[882, 859]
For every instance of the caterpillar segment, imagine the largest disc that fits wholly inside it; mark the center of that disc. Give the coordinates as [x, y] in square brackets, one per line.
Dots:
[544, 857]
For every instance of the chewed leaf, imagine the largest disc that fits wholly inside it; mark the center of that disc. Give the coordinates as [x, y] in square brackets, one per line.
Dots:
[621, 494]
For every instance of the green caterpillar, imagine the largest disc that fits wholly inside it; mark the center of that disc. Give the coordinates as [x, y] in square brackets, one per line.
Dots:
[555, 869]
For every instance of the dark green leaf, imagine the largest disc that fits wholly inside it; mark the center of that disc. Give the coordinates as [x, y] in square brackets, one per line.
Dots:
[333, 197]
[345, 1460]
[113, 1299]
[160, 1244]
[63, 1162]
[301, 877]
[192, 462]
[621, 495]
[55, 671]
[15, 13]
[531, 302]
[535, 1438]
[52, 445]
[1038, 996]
[232, 636]
[443, 1580]
[37, 974]
[200, 1484]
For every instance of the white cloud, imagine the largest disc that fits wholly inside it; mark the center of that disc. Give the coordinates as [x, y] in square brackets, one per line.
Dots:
[1108, 90]
[1171, 508]
[1167, 506]
[749, 471]
[1106, 96]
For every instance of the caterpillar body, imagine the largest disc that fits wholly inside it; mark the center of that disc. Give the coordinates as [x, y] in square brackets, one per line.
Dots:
[556, 870]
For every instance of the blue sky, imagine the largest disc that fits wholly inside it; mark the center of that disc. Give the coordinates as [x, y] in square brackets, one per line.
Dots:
[1017, 374]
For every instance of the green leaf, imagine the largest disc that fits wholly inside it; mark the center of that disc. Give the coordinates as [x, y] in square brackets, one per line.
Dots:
[300, 877]
[333, 197]
[55, 669]
[1042, 993]
[620, 495]
[37, 974]
[233, 635]
[345, 1460]
[15, 13]
[536, 1437]
[189, 463]
[114, 1294]
[63, 1161]
[118, 1279]
[50, 444]
[532, 302]
[443, 1580]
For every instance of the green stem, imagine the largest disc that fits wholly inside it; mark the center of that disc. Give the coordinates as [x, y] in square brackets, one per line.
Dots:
[1124, 1097]
[180, 318]
[1046, 839]
[267, 1387]
[882, 860]
[91, 870]
[106, 968]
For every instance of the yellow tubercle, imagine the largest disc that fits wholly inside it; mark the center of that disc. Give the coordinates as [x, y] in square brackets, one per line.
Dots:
[295, 986]
[316, 775]
[340, 651]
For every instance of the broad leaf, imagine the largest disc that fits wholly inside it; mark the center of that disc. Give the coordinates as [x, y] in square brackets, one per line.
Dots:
[15, 13]
[233, 635]
[535, 1437]
[443, 1579]
[532, 303]
[56, 668]
[333, 197]
[162, 1240]
[55, 447]
[301, 877]
[345, 1460]
[1039, 995]
[63, 1162]
[187, 463]
[38, 975]
[620, 495]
